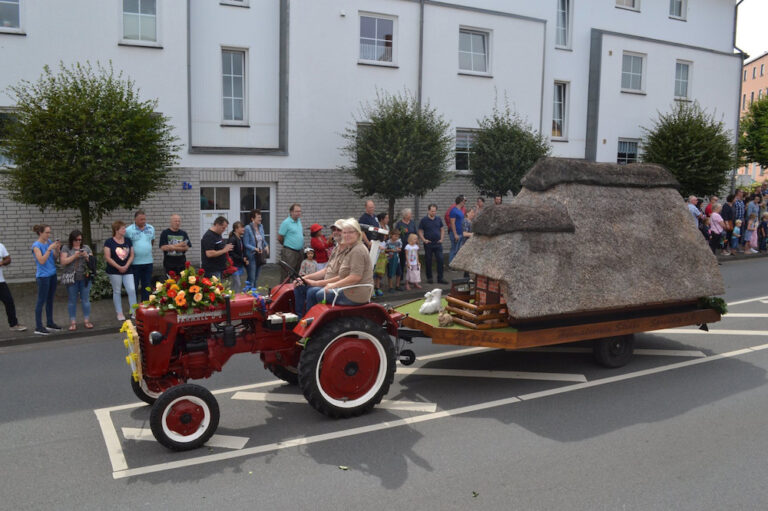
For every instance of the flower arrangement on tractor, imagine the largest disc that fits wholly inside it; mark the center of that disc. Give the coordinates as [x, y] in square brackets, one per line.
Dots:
[188, 292]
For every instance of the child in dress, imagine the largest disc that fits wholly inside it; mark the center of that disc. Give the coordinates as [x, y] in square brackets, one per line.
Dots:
[308, 265]
[736, 235]
[413, 269]
[751, 235]
[393, 249]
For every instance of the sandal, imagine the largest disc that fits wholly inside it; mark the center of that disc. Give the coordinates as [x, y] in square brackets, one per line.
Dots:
[72, 327]
[88, 324]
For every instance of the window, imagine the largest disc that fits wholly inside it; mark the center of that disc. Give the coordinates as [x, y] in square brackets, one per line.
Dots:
[563, 33]
[140, 20]
[745, 75]
[627, 151]
[628, 4]
[473, 51]
[256, 197]
[751, 97]
[744, 102]
[632, 72]
[754, 71]
[9, 14]
[559, 110]
[677, 9]
[762, 69]
[760, 94]
[464, 140]
[377, 37]
[6, 118]
[233, 84]
[682, 73]
[214, 198]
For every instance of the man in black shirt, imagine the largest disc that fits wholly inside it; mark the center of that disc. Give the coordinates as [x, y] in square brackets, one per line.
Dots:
[213, 249]
[174, 242]
[368, 218]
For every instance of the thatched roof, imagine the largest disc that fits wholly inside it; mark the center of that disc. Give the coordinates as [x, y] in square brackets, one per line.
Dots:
[586, 236]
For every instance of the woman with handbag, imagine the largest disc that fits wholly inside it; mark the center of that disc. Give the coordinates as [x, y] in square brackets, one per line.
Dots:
[75, 274]
[237, 256]
[256, 248]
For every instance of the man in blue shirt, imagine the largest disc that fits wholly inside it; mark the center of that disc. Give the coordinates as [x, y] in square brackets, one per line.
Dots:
[456, 227]
[368, 218]
[291, 237]
[431, 234]
[142, 236]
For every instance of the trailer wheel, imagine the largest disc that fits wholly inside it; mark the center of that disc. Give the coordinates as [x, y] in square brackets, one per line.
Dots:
[347, 367]
[184, 417]
[284, 373]
[614, 351]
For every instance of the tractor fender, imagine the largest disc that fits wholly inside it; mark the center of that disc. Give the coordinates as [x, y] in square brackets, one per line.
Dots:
[322, 314]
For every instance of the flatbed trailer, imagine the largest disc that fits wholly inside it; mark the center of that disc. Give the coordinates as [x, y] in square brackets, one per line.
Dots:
[612, 331]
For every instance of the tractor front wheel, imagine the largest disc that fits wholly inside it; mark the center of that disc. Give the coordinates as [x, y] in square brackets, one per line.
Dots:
[184, 417]
[347, 367]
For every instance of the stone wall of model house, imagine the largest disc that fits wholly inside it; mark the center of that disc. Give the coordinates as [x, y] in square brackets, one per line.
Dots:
[324, 194]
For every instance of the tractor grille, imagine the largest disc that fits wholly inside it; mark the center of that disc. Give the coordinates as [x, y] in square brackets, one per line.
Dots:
[140, 331]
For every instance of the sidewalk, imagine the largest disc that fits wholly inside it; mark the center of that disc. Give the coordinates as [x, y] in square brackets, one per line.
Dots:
[105, 320]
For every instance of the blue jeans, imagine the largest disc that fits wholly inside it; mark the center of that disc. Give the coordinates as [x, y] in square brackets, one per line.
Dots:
[83, 288]
[307, 297]
[142, 279]
[455, 245]
[237, 280]
[254, 270]
[46, 289]
[118, 281]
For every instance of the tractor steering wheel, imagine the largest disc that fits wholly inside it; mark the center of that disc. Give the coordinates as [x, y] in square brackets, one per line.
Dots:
[292, 273]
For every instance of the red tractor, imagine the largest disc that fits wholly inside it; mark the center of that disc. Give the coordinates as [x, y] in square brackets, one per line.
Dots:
[342, 357]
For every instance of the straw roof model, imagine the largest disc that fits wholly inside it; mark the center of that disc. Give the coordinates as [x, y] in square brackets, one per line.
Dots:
[584, 236]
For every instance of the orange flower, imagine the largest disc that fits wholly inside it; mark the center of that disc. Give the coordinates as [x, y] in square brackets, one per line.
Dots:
[194, 289]
[180, 301]
[171, 293]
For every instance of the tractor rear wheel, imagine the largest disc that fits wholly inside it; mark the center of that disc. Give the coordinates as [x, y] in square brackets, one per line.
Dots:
[289, 375]
[347, 367]
[184, 417]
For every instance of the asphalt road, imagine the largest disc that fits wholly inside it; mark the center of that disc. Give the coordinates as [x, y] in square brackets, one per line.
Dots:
[682, 426]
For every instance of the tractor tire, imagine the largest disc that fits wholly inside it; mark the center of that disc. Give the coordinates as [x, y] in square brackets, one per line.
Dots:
[142, 392]
[284, 373]
[614, 351]
[184, 417]
[347, 367]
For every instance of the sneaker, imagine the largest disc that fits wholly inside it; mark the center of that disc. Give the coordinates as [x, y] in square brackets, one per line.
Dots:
[120, 317]
[19, 328]
[53, 326]
[42, 332]
[442, 281]
[753, 251]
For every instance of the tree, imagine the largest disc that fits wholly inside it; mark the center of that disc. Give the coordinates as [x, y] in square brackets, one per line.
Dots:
[83, 140]
[504, 149]
[694, 146]
[754, 133]
[397, 149]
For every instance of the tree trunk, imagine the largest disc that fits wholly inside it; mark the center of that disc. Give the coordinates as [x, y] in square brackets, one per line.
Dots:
[391, 213]
[85, 218]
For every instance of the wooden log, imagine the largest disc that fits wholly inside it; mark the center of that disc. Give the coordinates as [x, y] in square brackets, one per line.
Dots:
[472, 306]
[474, 317]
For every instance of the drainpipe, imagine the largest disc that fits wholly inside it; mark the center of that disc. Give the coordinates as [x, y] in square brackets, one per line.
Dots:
[418, 90]
[741, 89]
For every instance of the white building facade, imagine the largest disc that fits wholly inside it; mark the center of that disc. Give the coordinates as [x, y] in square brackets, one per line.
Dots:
[259, 91]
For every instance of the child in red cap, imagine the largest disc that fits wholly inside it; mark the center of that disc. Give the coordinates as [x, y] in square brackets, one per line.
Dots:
[320, 245]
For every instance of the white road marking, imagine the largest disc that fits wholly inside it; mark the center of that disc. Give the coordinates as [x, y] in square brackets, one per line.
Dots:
[418, 419]
[411, 406]
[114, 449]
[512, 375]
[759, 299]
[452, 354]
[745, 315]
[711, 332]
[225, 441]
[641, 351]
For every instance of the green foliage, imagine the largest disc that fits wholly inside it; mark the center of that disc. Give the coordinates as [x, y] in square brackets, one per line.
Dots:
[693, 146]
[100, 287]
[400, 148]
[714, 302]
[84, 140]
[505, 148]
[753, 142]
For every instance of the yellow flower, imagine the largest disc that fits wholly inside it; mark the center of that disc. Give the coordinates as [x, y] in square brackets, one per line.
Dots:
[152, 298]
[175, 287]
[217, 291]
[198, 297]
[214, 279]
[192, 279]
[170, 281]
[158, 286]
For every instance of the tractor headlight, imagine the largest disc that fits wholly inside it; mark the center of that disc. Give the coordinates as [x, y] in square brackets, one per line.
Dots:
[155, 338]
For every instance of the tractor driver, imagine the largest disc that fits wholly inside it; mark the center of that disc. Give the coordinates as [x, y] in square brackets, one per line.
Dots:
[349, 265]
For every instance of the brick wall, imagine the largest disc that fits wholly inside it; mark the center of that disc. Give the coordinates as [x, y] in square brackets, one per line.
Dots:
[324, 194]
